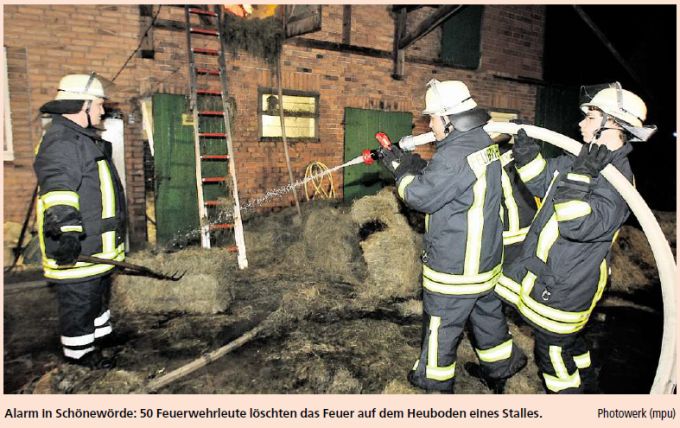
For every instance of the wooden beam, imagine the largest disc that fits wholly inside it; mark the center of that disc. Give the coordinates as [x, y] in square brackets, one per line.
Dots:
[146, 48]
[346, 24]
[429, 24]
[398, 54]
[605, 41]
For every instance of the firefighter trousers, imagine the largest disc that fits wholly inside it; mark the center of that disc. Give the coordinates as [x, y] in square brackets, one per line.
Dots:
[444, 319]
[84, 315]
[564, 363]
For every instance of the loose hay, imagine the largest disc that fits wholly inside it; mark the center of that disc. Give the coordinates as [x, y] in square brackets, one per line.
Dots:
[206, 287]
[392, 254]
[632, 262]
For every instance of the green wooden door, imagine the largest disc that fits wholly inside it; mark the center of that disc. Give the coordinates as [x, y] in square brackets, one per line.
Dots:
[360, 128]
[174, 162]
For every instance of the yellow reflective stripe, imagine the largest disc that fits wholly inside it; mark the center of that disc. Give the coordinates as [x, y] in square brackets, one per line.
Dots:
[71, 228]
[60, 197]
[516, 236]
[582, 361]
[85, 339]
[433, 343]
[405, 181]
[82, 272]
[106, 187]
[427, 222]
[497, 353]
[531, 170]
[547, 238]
[458, 289]
[432, 370]
[441, 373]
[510, 284]
[578, 177]
[507, 294]
[117, 254]
[506, 158]
[475, 227]
[563, 380]
[509, 202]
[109, 242]
[77, 354]
[453, 279]
[547, 311]
[571, 210]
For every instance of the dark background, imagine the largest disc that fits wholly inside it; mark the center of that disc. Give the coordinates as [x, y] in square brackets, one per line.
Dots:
[645, 36]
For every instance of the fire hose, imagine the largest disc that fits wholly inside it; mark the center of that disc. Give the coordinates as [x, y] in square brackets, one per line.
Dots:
[665, 378]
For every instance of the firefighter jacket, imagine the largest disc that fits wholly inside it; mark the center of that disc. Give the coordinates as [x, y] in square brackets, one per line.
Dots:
[459, 193]
[518, 203]
[562, 270]
[80, 191]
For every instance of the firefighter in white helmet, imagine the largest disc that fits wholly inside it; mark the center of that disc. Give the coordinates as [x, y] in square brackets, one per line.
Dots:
[563, 266]
[81, 210]
[460, 192]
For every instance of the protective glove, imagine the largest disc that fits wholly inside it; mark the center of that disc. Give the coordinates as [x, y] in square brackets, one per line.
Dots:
[390, 159]
[525, 149]
[591, 160]
[69, 248]
[411, 163]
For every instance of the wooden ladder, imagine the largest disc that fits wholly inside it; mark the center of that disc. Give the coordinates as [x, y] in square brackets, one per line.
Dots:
[215, 170]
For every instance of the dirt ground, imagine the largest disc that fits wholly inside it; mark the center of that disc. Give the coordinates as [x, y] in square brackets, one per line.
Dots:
[325, 323]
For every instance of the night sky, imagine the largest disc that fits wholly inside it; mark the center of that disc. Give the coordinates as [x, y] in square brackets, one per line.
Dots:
[645, 36]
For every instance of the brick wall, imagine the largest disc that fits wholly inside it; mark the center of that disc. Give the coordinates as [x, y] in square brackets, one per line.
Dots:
[101, 37]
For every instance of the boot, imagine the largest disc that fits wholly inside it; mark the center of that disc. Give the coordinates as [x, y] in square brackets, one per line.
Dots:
[93, 360]
[429, 390]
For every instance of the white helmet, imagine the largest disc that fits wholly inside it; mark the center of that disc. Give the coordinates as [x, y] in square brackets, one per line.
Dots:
[80, 87]
[619, 103]
[446, 98]
[626, 108]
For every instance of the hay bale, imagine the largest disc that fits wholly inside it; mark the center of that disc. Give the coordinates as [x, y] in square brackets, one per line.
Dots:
[328, 246]
[206, 287]
[10, 238]
[392, 254]
[632, 263]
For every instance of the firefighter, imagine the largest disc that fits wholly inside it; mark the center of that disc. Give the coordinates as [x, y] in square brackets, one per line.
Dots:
[460, 193]
[563, 267]
[80, 210]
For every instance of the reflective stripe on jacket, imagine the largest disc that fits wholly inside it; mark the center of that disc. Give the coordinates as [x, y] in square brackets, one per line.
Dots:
[518, 205]
[562, 270]
[459, 192]
[81, 192]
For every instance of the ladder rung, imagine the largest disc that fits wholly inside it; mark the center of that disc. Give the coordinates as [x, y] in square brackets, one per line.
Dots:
[205, 51]
[211, 113]
[198, 11]
[208, 92]
[221, 226]
[211, 71]
[204, 31]
[214, 203]
[214, 157]
[214, 179]
[212, 134]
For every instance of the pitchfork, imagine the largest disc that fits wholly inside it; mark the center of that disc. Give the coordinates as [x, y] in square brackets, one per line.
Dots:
[133, 269]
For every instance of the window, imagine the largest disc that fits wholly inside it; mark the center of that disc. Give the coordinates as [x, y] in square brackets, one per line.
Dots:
[301, 112]
[460, 41]
[7, 147]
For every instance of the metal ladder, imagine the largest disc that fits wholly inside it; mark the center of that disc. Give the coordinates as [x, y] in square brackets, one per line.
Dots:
[215, 171]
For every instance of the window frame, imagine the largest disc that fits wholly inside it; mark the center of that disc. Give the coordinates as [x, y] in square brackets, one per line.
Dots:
[261, 91]
[8, 144]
